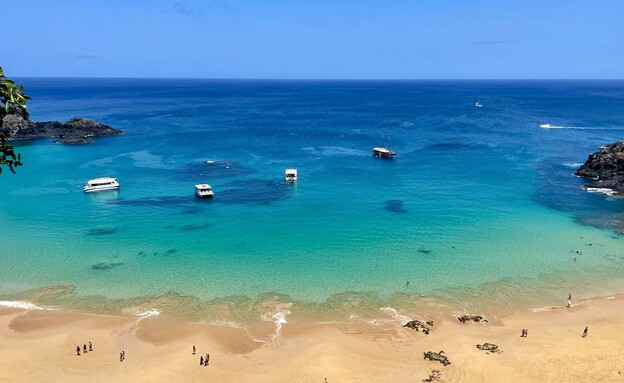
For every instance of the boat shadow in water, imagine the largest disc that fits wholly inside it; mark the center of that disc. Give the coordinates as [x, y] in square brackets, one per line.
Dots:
[254, 191]
[395, 206]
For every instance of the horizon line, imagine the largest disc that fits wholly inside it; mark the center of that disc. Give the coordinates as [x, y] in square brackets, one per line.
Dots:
[312, 79]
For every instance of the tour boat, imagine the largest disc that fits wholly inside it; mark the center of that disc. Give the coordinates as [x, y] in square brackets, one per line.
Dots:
[101, 184]
[204, 191]
[546, 126]
[290, 175]
[382, 152]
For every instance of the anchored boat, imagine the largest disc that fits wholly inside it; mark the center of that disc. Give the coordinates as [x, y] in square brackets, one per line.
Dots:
[101, 184]
[204, 191]
[290, 175]
[382, 152]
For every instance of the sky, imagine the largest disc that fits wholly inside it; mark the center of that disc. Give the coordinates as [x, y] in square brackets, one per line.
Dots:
[314, 39]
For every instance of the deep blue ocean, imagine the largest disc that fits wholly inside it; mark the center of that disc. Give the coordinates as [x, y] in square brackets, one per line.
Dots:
[478, 209]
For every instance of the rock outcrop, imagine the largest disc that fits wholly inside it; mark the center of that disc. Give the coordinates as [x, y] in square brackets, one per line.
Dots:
[606, 167]
[437, 357]
[489, 348]
[472, 318]
[419, 325]
[74, 131]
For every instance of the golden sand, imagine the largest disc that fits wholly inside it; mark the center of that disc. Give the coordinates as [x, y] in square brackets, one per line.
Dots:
[39, 346]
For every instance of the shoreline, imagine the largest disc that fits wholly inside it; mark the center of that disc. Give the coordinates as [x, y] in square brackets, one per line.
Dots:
[41, 343]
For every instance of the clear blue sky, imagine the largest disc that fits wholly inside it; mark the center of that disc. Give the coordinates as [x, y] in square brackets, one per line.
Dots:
[418, 39]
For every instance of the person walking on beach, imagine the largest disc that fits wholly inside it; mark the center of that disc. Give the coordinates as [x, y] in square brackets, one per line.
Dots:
[193, 349]
[207, 359]
[585, 332]
[77, 350]
[84, 348]
[90, 346]
[120, 357]
[123, 354]
[201, 360]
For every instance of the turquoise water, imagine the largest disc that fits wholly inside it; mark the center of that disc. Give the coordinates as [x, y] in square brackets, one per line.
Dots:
[476, 199]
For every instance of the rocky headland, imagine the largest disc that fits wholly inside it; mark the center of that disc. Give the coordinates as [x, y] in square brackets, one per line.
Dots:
[74, 131]
[606, 168]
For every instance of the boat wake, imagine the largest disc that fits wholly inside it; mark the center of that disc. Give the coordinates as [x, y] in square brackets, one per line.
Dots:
[547, 127]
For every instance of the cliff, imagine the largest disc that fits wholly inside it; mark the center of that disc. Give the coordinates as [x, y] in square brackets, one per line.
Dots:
[606, 168]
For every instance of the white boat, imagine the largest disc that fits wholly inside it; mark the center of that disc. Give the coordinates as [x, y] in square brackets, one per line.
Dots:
[478, 104]
[290, 175]
[546, 126]
[382, 152]
[101, 184]
[204, 191]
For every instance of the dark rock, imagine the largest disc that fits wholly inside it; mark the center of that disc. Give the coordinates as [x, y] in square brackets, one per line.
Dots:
[606, 167]
[437, 357]
[489, 347]
[102, 230]
[472, 318]
[419, 325]
[74, 131]
[435, 376]
[106, 266]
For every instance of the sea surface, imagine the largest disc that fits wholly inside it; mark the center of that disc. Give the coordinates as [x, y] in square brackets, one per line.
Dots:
[479, 209]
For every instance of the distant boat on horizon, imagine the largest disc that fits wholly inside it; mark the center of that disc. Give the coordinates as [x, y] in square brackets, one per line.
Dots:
[383, 152]
[546, 126]
[478, 104]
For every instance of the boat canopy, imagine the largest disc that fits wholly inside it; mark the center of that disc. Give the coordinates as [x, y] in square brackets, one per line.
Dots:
[202, 187]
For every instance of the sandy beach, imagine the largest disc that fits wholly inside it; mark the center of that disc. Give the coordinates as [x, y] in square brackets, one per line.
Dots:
[39, 345]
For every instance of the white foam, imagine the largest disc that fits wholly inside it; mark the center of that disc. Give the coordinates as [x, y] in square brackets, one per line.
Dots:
[278, 317]
[395, 314]
[607, 191]
[541, 309]
[610, 298]
[574, 165]
[143, 314]
[23, 305]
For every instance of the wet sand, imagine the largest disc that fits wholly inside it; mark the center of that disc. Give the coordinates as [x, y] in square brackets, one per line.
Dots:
[39, 345]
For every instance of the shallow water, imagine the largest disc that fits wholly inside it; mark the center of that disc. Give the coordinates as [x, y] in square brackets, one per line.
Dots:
[478, 209]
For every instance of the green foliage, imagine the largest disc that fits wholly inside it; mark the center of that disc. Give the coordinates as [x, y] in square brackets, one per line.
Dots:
[7, 155]
[12, 101]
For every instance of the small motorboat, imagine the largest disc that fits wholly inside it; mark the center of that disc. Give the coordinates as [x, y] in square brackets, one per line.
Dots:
[290, 175]
[204, 191]
[101, 184]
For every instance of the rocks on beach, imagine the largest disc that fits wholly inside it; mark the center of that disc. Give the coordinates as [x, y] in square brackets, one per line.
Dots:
[419, 325]
[472, 318]
[74, 131]
[437, 357]
[435, 376]
[489, 348]
[606, 167]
